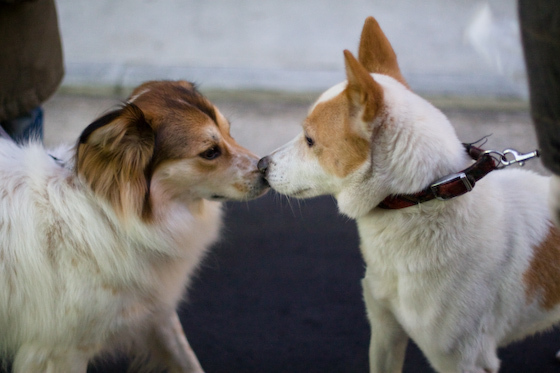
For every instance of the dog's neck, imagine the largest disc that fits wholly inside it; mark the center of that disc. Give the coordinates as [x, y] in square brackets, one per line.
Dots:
[449, 186]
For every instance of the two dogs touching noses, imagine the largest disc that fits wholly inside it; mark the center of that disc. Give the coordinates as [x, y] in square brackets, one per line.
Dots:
[98, 240]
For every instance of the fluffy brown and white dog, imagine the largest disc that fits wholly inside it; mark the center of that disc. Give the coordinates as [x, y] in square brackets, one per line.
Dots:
[460, 276]
[99, 240]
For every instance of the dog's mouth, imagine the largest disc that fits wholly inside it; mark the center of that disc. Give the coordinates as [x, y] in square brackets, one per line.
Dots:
[256, 190]
[300, 193]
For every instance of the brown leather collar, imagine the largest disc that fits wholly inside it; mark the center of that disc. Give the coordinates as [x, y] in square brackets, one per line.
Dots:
[450, 186]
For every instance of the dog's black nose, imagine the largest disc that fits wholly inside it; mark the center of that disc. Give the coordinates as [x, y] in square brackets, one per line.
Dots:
[263, 165]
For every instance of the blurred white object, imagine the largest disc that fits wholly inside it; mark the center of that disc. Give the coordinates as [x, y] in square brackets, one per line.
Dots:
[497, 40]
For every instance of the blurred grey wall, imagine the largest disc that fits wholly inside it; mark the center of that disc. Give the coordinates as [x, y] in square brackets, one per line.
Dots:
[445, 47]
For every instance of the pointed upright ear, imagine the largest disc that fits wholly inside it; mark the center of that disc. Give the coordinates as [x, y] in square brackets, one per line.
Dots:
[364, 93]
[376, 53]
[113, 156]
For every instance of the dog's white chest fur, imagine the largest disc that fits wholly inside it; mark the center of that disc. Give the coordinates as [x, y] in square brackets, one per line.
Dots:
[96, 277]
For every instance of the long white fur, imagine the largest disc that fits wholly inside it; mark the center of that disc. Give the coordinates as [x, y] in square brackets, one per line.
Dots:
[83, 270]
[74, 281]
[447, 274]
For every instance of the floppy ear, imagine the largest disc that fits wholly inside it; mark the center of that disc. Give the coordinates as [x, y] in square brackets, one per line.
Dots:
[113, 156]
[375, 52]
[364, 93]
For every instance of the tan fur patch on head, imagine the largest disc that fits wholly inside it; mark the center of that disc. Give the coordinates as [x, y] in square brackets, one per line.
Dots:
[543, 275]
[159, 99]
[339, 148]
[113, 153]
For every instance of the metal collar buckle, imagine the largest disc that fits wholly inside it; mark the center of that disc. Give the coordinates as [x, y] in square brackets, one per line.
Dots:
[451, 179]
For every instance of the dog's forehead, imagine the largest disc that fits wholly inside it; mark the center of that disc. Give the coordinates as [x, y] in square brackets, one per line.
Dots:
[176, 100]
[329, 94]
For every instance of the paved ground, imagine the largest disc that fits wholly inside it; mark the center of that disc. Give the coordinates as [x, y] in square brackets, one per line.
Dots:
[281, 291]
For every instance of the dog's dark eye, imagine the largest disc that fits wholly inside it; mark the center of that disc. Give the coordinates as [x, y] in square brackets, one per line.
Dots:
[212, 153]
[309, 141]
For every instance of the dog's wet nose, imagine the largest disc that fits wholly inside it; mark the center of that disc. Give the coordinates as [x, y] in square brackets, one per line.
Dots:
[263, 165]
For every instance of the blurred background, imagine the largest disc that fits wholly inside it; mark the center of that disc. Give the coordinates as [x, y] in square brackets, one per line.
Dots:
[445, 47]
[265, 62]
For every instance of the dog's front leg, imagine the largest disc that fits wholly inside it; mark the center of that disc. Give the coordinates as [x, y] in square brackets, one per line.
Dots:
[33, 358]
[388, 339]
[171, 346]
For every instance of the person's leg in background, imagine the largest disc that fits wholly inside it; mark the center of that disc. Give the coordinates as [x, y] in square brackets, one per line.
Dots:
[540, 34]
[25, 127]
[31, 65]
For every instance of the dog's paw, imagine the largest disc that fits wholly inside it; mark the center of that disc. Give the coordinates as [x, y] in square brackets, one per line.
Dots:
[554, 200]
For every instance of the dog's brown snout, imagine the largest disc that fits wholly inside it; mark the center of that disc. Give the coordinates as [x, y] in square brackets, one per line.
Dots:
[263, 165]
